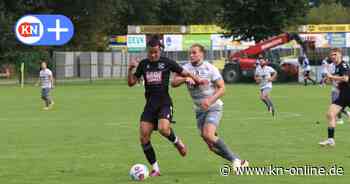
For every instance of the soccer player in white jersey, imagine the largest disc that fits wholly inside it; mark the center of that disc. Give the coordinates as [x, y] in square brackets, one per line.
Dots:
[324, 70]
[46, 83]
[207, 104]
[264, 75]
[306, 69]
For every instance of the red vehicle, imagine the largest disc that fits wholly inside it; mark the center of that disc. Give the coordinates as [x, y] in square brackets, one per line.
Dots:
[242, 63]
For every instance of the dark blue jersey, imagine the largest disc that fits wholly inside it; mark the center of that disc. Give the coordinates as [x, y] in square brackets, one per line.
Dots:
[342, 69]
[156, 75]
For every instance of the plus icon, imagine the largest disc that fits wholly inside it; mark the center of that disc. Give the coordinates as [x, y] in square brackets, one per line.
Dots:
[57, 29]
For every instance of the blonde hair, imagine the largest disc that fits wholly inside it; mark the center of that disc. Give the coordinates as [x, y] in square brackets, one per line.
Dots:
[338, 50]
[201, 47]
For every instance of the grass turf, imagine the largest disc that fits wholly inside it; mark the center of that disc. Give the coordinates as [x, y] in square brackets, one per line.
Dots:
[91, 136]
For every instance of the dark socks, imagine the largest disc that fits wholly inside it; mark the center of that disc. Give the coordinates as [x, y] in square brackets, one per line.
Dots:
[265, 102]
[330, 132]
[149, 153]
[270, 104]
[172, 136]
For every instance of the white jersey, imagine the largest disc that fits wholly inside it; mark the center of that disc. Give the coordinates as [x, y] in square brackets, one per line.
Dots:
[264, 73]
[325, 66]
[45, 78]
[204, 71]
[306, 65]
[331, 70]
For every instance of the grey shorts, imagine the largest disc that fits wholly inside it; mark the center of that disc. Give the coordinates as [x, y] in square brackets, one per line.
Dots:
[212, 116]
[45, 92]
[265, 91]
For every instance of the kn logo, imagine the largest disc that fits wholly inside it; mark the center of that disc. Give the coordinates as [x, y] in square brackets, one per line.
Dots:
[44, 30]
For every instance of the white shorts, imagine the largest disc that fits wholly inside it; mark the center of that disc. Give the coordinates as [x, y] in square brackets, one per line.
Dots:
[265, 91]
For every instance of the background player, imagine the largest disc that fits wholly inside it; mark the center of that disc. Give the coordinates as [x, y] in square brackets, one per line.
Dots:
[264, 75]
[325, 68]
[47, 84]
[306, 69]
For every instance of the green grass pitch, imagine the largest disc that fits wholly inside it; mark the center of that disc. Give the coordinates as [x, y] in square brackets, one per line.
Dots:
[91, 136]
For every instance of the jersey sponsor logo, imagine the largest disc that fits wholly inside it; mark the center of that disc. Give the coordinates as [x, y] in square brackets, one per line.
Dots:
[154, 77]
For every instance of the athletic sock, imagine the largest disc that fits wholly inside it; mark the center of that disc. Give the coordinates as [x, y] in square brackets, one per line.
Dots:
[156, 166]
[265, 102]
[269, 102]
[331, 132]
[149, 153]
[47, 102]
[172, 137]
[221, 149]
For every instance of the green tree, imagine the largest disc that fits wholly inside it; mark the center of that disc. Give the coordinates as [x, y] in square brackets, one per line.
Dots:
[184, 12]
[258, 19]
[328, 12]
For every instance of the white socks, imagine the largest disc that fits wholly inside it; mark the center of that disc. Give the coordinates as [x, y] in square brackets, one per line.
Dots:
[155, 166]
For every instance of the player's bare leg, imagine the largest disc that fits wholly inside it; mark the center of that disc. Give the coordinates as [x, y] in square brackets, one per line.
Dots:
[332, 118]
[165, 129]
[264, 96]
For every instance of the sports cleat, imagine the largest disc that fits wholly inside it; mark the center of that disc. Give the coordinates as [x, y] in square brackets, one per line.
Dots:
[237, 163]
[328, 142]
[154, 173]
[46, 108]
[181, 147]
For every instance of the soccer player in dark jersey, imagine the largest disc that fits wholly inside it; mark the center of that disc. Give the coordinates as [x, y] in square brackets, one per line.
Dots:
[157, 113]
[341, 77]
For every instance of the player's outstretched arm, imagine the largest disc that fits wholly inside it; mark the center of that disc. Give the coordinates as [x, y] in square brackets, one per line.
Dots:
[344, 78]
[196, 79]
[177, 80]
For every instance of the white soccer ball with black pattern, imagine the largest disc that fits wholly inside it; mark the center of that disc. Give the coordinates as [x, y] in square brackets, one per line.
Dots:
[139, 172]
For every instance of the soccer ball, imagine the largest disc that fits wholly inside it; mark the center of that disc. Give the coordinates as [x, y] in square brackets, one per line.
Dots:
[139, 172]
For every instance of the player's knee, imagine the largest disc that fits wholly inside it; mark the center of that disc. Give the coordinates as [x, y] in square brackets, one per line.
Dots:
[164, 129]
[331, 115]
[144, 139]
[208, 137]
